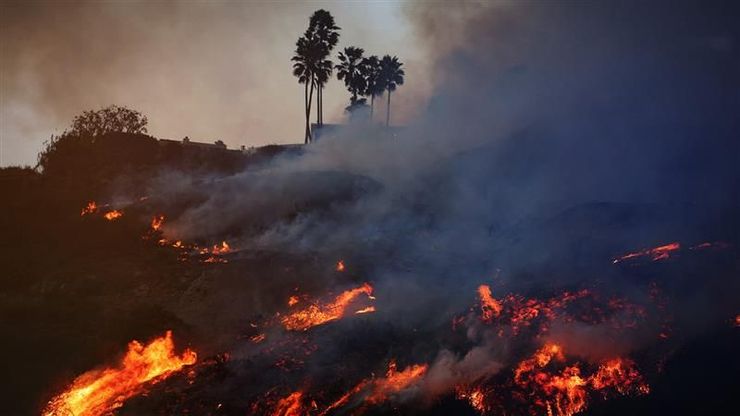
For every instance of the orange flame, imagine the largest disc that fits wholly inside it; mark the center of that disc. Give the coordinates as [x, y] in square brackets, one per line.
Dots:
[290, 405]
[475, 397]
[99, 392]
[157, 222]
[621, 375]
[316, 314]
[657, 253]
[223, 248]
[566, 392]
[292, 300]
[113, 215]
[490, 307]
[395, 381]
[369, 309]
[340, 266]
[539, 359]
[90, 208]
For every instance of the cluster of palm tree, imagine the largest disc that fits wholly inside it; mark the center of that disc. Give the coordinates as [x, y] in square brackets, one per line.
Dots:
[311, 62]
[369, 77]
[363, 76]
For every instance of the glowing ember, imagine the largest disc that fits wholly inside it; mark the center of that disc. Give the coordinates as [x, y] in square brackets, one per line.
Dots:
[737, 321]
[257, 338]
[157, 222]
[540, 359]
[340, 266]
[113, 215]
[214, 259]
[395, 381]
[490, 307]
[290, 406]
[369, 309]
[566, 392]
[292, 300]
[475, 397]
[223, 248]
[90, 208]
[99, 392]
[621, 375]
[317, 314]
[656, 253]
[520, 312]
[379, 390]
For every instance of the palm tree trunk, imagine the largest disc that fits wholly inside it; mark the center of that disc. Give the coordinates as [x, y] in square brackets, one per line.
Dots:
[321, 106]
[318, 105]
[372, 104]
[388, 111]
[308, 114]
[305, 108]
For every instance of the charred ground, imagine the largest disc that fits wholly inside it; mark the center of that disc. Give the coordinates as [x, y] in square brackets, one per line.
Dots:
[77, 288]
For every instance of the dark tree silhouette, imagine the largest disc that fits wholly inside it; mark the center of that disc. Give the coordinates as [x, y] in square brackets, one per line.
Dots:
[323, 27]
[350, 70]
[371, 73]
[306, 65]
[391, 76]
[112, 119]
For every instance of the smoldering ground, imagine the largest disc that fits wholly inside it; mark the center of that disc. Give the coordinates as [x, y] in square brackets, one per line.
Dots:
[559, 136]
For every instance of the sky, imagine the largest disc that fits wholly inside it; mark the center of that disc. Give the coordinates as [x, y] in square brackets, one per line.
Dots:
[207, 70]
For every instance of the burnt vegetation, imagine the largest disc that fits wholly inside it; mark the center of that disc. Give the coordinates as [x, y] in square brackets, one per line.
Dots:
[401, 278]
[77, 287]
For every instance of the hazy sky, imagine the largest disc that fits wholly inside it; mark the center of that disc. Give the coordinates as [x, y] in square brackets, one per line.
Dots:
[208, 70]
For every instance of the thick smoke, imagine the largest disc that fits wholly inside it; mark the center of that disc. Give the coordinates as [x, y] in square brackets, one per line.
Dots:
[538, 108]
[551, 122]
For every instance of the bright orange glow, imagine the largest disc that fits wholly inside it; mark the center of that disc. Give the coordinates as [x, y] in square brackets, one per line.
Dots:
[539, 359]
[223, 248]
[657, 253]
[475, 397]
[90, 208]
[395, 381]
[290, 406]
[566, 392]
[317, 314]
[113, 215]
[340, 266]
[257, 338]
[621, 375]
[157, 222]
[214, 259]
[569, 391]
[379, 390]
[342, 401]
[490, 307]
[292, 300]
[523, 311]
[100, 392]
[369, 309]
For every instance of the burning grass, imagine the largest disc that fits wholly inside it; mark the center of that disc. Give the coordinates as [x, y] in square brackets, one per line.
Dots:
[321, 313]
[101, 392]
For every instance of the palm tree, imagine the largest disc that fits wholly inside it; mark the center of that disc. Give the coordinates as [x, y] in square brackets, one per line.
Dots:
[391, 76]
[306, 64]
[373, 87]
[350, 70]
[323, 27]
